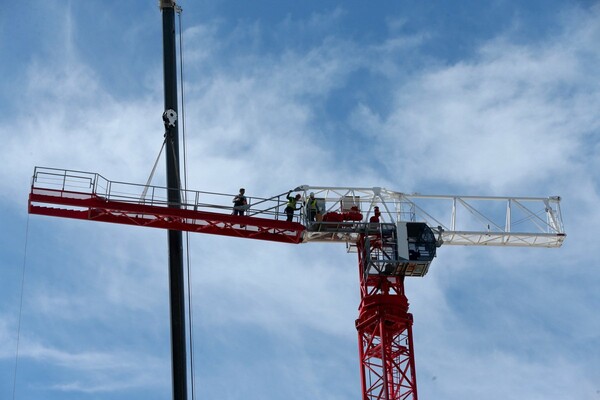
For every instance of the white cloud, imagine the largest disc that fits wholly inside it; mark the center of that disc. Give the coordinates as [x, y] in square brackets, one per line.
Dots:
[93, 372]
[514, 119]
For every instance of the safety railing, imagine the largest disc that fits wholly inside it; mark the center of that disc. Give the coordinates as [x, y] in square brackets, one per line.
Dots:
[463, 220]
[75, 184]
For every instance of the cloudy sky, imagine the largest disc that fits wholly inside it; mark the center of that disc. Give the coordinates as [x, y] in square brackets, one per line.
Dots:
[496, 98]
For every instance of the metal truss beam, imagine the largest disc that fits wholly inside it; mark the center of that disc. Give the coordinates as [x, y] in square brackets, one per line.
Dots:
[91, 207]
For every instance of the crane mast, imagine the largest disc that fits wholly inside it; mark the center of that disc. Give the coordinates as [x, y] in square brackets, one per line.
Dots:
[384, 325]
[174, 237]
[395, 235]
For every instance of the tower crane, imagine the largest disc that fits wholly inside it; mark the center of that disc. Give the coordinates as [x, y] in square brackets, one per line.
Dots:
[395, 235]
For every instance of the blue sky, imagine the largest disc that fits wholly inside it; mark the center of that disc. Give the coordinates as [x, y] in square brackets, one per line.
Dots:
[495, 98]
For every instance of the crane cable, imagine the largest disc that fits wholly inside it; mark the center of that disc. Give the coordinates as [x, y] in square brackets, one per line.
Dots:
[145, 191]
[187, 237]
[20, 309]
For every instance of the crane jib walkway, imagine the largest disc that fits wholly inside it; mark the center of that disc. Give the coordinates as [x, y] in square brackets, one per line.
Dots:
[344, 213]
[89, 196]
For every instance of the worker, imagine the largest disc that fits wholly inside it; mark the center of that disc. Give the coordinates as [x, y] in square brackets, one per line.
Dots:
[240, 203]
[312, 207]
[291, 205]
[375, 217]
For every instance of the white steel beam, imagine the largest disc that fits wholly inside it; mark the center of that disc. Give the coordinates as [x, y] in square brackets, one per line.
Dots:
[463, 220]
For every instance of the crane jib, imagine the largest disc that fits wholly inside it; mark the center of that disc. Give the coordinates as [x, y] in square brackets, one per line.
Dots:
[336, 215]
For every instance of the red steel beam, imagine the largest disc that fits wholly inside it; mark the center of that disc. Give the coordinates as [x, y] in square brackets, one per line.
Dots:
[91, 207]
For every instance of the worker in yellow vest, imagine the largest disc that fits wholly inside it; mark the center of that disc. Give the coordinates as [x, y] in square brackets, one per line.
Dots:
[291, 205]
[312, 207]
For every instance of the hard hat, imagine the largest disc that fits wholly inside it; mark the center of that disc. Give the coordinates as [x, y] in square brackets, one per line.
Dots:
[312, 194]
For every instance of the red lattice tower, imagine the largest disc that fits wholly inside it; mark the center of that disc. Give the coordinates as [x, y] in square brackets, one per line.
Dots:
[384, 325]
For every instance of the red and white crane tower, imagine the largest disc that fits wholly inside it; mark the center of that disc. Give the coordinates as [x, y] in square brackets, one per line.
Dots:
[395, 235]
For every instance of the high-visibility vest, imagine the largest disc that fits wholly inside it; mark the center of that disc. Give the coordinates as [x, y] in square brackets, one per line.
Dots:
[312, 204]
[291, 202]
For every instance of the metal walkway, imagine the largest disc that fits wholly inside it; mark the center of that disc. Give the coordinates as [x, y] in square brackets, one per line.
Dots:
[90, 196]
[345, 213]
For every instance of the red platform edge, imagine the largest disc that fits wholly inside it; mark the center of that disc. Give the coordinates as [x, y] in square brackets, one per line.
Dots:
[91, 207]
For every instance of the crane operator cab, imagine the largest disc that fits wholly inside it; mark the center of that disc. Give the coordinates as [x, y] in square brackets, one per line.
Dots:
[406, 250]
[416, 247]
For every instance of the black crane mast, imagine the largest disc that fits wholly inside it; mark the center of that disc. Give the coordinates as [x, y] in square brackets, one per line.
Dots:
[175, 238]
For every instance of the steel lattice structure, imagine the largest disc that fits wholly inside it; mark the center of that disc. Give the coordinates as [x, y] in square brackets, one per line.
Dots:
[384, 326]
[395, 236]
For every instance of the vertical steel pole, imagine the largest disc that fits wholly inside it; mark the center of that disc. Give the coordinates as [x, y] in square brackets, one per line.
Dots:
[175, 240]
